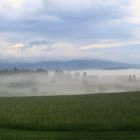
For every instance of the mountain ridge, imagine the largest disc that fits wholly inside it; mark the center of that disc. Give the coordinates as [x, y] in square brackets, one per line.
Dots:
[77, 64]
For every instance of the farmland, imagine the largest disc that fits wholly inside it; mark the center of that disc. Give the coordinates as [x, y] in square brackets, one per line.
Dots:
[99, 116]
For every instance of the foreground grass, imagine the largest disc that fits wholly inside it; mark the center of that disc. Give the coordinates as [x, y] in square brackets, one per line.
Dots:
[84, 117]
[6, 134]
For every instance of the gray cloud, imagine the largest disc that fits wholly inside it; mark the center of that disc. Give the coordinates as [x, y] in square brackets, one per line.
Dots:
[72, 24]
[68, 22]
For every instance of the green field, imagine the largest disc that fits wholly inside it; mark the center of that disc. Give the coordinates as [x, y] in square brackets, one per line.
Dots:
[82, 117]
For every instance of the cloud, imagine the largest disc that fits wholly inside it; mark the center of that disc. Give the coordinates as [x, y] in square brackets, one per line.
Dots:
[14, 9]
[103, 44]
[135, 8]
[35, 30]
[45, 50]
[71, 20]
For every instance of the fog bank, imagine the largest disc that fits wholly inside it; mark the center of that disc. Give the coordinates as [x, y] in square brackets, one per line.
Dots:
[48, 83]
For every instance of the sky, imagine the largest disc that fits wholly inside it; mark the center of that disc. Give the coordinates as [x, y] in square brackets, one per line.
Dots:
[46, 30]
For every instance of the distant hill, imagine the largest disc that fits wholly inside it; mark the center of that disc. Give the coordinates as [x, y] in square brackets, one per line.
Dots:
[70, 65]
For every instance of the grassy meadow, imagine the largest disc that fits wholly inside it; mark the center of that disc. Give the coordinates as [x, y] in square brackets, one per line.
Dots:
[81, 117]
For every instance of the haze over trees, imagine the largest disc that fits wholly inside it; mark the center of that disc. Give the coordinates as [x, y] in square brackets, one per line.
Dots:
[42, 82]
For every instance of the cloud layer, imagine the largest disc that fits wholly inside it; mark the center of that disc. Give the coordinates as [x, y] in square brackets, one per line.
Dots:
[42, 30]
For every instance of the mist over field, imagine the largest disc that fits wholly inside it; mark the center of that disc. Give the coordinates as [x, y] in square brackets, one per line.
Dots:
[47, 83]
